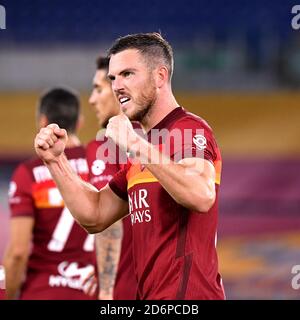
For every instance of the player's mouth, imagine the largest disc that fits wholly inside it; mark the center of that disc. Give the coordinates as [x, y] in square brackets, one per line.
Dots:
[123, 100]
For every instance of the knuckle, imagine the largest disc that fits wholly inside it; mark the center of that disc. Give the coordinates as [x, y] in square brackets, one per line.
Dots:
[52, 126]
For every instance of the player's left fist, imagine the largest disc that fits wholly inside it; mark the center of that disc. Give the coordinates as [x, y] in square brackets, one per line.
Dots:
[120, 130]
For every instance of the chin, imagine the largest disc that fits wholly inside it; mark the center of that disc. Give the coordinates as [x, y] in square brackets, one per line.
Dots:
[130, 115]
[126, 112]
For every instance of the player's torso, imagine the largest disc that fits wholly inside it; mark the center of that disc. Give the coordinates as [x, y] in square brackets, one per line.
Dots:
[168, 235]
[154, 219]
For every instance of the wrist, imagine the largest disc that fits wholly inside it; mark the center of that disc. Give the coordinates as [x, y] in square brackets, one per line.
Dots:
[54, 160]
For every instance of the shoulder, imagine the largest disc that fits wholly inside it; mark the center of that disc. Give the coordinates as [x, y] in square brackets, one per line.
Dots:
[77, 152]
[196, 129]
[92, 147]
[27, 166]
[23, 173]
[190, 120]
[100, 140]
[92, 144]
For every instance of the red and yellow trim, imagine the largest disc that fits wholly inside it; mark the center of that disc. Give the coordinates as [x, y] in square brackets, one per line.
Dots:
[136, 176]
[218, 169]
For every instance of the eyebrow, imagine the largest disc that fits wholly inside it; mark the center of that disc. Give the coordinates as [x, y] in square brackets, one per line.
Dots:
[112, 77]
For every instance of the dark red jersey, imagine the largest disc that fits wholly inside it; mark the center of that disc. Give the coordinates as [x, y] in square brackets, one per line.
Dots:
[102, 167]
[62, 251]
[174, 248]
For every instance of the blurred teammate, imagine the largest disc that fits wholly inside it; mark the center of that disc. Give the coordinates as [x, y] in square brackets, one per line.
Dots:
[115, 261]
[62, 253]
[171, 196]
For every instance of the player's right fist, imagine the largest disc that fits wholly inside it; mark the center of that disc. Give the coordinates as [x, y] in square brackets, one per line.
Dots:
[50, 142]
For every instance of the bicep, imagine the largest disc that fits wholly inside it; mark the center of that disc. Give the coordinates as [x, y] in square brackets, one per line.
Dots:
[201, 177]
[200, 167]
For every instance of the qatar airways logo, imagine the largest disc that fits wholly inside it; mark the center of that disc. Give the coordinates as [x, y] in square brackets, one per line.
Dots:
[138, 206]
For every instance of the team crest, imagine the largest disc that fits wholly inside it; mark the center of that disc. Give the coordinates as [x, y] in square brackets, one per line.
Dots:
[200, 141]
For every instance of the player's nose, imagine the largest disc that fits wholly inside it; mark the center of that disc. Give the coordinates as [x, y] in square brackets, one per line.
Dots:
[92, 98]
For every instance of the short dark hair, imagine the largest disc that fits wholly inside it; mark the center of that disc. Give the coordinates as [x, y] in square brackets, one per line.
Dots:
[61, 106]
[102, 63]
[151, 45]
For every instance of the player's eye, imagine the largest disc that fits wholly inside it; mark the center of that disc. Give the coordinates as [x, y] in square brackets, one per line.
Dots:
[127, 74]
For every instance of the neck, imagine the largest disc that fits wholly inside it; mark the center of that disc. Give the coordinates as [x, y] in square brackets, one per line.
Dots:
[73, 141]
[162, 107]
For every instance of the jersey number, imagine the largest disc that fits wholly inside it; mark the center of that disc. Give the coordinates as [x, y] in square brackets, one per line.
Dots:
[64, 226]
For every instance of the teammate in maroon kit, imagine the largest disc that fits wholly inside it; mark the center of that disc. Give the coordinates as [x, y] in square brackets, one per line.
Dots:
[171, 185]
[62, 253]
[114, 245]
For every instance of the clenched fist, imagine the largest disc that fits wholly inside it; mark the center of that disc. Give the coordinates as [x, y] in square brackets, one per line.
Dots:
[50, 142]
[120, 130]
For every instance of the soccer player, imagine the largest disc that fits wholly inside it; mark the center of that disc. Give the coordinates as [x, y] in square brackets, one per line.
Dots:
[48, 254]
[171, 196]
[115, 262]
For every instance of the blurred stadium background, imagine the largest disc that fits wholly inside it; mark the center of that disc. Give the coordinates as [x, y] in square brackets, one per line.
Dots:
[237, 64]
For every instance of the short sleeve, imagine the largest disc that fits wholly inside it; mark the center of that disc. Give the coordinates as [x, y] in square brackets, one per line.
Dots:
[20, 193]
[195, 141]
[118, 184]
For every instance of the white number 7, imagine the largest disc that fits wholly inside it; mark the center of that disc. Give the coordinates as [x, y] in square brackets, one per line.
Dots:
[64, 226]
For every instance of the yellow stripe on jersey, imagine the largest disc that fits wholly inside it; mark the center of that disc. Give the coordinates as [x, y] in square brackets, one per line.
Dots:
[133, 182]
[136, 176]
[218, 169]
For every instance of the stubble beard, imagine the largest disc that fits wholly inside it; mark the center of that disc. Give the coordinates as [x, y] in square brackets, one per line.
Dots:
[145, 103]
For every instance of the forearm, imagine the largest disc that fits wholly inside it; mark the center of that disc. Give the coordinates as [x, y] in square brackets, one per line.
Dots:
[15, 268]
[80, 197]
[108, 248]
[187, 185]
